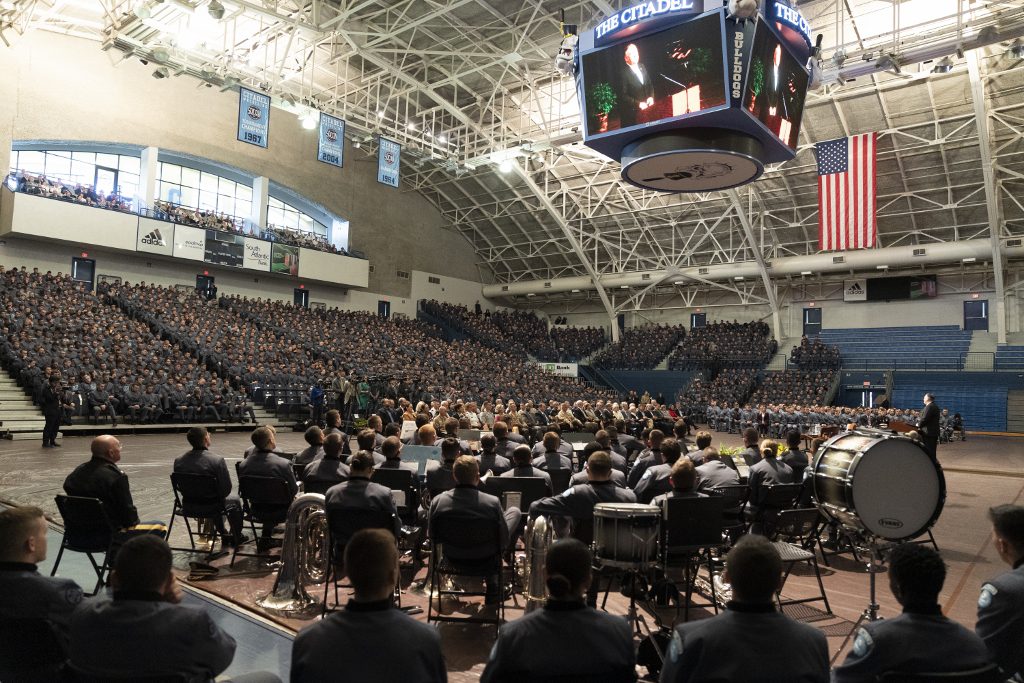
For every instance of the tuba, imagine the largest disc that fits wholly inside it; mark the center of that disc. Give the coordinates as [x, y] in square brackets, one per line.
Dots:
[538, 538]
[305, 555]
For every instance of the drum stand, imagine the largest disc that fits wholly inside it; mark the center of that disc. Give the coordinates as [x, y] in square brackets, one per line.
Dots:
[873, 568]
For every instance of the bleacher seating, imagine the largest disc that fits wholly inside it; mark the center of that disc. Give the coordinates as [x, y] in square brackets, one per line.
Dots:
[937, 347]
[1009, 358]
[982, 408]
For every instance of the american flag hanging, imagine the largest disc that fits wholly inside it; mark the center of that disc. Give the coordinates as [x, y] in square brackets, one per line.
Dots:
[846, 193]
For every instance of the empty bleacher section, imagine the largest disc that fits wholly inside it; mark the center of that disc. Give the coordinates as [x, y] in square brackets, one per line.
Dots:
[936, 347]
[640, 348]
[724, 344]
[981, 398]
[1009, 358]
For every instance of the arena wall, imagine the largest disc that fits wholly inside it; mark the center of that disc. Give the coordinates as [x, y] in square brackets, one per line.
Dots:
[62, 88]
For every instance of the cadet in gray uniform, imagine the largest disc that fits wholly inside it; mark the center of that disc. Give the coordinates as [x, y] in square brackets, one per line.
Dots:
[522, 467]
[551, 441]
[921, 639]
[327, 471]
[750, 635]
[369, 640]
[566, 638]
[577, 503]
[140, 630]
[650, 457]
[714, 473]
[683, 478]
[25, 594]
[552, 456]
[1001, 604]
[655, 479]
[359, 493]
[314, 436]
[199, 460]
[490, 460]
[263, 462]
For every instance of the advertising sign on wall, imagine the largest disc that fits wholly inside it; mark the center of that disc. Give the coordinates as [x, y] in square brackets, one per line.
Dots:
[855, 290]
[224, 248]
[284, 258]
[155, 237]
[189, 243]
[257, 254]
[562, 369]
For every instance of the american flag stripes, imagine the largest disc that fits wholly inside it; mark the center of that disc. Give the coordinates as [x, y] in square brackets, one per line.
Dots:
[846, 193]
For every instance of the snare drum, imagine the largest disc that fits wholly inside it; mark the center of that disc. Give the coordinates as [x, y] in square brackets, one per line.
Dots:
[626, 534]
[884, 484]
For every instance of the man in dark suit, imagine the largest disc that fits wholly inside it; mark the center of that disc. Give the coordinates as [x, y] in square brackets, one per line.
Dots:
[51, 408]
[928, 424]
[637, 90]
[200, 460]
[466, 500]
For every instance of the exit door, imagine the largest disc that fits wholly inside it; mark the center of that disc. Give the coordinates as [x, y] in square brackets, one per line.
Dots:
[976, 315]
[384, 309]
[83, 271]
[301, 297]
[812, 322]
[698, 320]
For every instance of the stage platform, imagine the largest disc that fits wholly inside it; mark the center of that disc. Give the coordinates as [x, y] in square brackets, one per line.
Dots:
[980, 472]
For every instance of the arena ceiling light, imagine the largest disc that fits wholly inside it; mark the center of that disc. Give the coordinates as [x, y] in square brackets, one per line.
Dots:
[943, 66]
[161, 72]
[806, 272]
[969, 259]
[215, 9]
[505, 166]
[309, 119]
[1017, 49]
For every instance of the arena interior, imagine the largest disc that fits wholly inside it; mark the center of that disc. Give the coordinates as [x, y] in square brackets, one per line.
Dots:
[511, 340]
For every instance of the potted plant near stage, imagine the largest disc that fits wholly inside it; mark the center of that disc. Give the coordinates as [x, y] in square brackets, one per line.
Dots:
[602, 101]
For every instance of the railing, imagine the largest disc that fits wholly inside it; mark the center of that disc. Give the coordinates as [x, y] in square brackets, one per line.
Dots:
[967, 360]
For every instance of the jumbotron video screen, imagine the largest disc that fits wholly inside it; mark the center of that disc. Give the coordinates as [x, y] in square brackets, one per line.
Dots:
[776, 87]
[659, 76]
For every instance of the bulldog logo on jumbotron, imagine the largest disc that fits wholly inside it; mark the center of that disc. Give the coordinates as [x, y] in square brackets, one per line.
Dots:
[254, 112]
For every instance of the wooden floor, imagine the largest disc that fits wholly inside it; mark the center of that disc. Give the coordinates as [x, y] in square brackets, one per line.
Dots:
[981, 472]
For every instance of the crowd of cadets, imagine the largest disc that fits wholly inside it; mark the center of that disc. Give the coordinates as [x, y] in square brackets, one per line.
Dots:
[640, 348]
[776, 419]
[42, 186]
[724, 344]
[813, 355]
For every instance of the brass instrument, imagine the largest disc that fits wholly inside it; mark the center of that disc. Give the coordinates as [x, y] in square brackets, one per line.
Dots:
[304, 555]
[538, 538]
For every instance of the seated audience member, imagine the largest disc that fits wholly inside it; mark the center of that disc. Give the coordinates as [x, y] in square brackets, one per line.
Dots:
[328, 470]
[26, 594]
[683, 478]
[795, 456]
[766, 472]
[921, 639]
[369, 640]
[374, 422]
[751, 453]
[333, 421]
[440, 476]
[263, 462]
[618, 476]
[522, 466]
[101, 478]
[577, 503]
[649, 457]
[315, 438]
[750, 635]
[140, 629]
[714, 473]
[467, 500]
[1001, 604]
[366, 439]
[391, 449]
[566, 638]
[359, 493]
[655, 479]
[200, 460]
[603, 442]
[552, 458]
[554, 443]
[703, 443]
[490, 460]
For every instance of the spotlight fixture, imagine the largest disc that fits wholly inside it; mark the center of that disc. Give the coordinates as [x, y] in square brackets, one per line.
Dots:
[839, 57]
[215, 9]
[806, 272]
[160, 54]
[738, 278]
[943, 66]
[505, 166]
[969, 259]
[888, 62]
[309, 120]
[143, 10]
[380, 113]
[411, 125]
[882, 267]
[161, 72]
[442, 138]
[1017, 49]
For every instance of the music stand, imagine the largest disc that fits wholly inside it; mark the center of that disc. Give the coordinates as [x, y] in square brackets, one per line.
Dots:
[875, 565]
[420, 455]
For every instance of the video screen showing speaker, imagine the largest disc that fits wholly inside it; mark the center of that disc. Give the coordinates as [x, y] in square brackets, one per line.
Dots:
[776, 86]
[663, 75]
[284, 258]
[224, 248]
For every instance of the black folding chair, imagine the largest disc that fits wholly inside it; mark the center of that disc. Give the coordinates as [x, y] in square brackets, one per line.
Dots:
[264, 500]
[404, 490]
[986, 674]
[559, 480]
[342, 525]
[74, 675]
[30, 651]
[734, 497]
[774, 497]
[452, 531]
[793, 531]
[196, 497]
[298, 471]
[691, 528]
[87, 529]
[518, 492]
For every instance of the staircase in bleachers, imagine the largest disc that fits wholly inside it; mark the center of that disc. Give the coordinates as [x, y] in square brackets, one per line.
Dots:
[936, 347]
[983, 408]
[1009, 358]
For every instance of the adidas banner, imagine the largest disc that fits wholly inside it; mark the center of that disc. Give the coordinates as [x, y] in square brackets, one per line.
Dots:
[155, 237]
[855, 290]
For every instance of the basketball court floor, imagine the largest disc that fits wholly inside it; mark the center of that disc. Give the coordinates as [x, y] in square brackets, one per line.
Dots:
[981, 472]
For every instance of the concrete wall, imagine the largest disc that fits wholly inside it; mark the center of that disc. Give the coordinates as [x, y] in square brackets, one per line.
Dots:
[450, 290]
[61, 88]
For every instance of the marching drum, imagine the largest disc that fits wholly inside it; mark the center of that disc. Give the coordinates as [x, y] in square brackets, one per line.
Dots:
[883, 484]
[626, 534]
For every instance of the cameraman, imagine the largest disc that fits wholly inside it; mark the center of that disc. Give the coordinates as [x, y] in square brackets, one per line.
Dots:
[52, 406]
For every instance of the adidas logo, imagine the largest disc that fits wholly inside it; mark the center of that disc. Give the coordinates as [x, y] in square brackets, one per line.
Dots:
[855, 288]
[154, 238]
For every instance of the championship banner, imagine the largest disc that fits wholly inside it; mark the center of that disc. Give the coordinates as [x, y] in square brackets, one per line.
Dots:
[561, 369]
[189, 243]
[389, 156]
[253, 117]
[332, 140]
[257, 254]
[855, 290]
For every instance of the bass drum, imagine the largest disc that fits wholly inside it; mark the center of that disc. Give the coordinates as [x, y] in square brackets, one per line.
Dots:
[883, 484]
